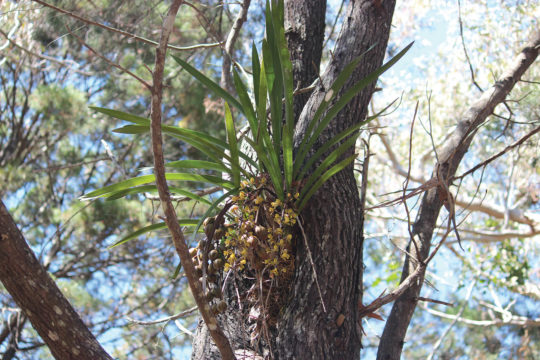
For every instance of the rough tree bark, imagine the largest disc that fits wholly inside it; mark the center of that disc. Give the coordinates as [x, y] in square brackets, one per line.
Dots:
[40, 299]
[449, 156]
[331, 220]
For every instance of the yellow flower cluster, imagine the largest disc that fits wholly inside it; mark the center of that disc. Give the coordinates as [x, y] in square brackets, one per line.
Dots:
[259, 233]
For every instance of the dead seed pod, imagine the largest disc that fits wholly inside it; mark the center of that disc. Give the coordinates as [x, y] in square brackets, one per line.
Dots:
[210, 268]
[221, 306]
[208, 224]
[198, 271]
[193, 252]
[212, 278]
[216, 292]
[252, 240]
[218, 234]
[212, 255]
[209, 295]
[261, 232]
[247, 226]
[218, 263]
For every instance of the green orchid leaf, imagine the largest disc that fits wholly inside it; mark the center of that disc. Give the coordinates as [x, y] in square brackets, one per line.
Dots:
[249, 112]
[198, 164]
[153, 189]
[233, 146]
[306, 195]
[133, 129]
[145, 179]
[122, 115]
[209, 83]
[149, 228]
[344, 100]
[256, 66]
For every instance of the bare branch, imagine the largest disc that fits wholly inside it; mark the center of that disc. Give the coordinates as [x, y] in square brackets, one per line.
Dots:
[449, 158]
[67, 63]
[125, 33]
[515, 320]
[163, 189]
[165, 319]
[121, 68]
[226, 80]
[499, 154]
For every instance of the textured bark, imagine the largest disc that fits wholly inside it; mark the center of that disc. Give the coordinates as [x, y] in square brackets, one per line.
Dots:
[40, 299]
[449, 156]
[304, 30]
[332, 218]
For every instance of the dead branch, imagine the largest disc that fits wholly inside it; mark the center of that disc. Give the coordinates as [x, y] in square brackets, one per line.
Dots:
[449, 158]
[125, 33]
[499, 154]
[226, 80]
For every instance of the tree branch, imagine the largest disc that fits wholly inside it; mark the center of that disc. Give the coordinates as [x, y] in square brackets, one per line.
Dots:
[449, 158]
[226, 80]
[40, 299]
[163, 189]
[125, 33]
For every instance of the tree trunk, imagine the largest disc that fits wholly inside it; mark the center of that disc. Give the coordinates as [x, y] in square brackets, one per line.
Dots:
[331, 219]
[41, 300]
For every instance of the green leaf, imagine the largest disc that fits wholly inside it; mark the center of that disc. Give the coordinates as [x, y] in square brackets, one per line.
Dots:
[304, 198]
[330, 159]
[153, 189]
[122, 115]
[286, 73]
[327, 145]
[149, 228]
[333, 141]
[145, 179]
[275, 174]
[209, 145]
[249, 112]
[233, 146]
[342, 102]
[198, 164]
[218, 90]
[133, 129]
[275, 90]
[256, 66]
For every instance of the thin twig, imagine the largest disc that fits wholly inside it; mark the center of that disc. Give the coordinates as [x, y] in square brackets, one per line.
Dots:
[112, 63]
[165, 319]
[460, 311]
[499, 154]
[465, 48]
[125, 33]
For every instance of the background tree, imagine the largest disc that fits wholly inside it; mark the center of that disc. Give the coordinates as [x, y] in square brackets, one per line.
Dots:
[501, 273]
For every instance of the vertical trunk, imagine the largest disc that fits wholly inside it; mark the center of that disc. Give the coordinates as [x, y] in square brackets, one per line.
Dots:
[40, 299]
[332, 218]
